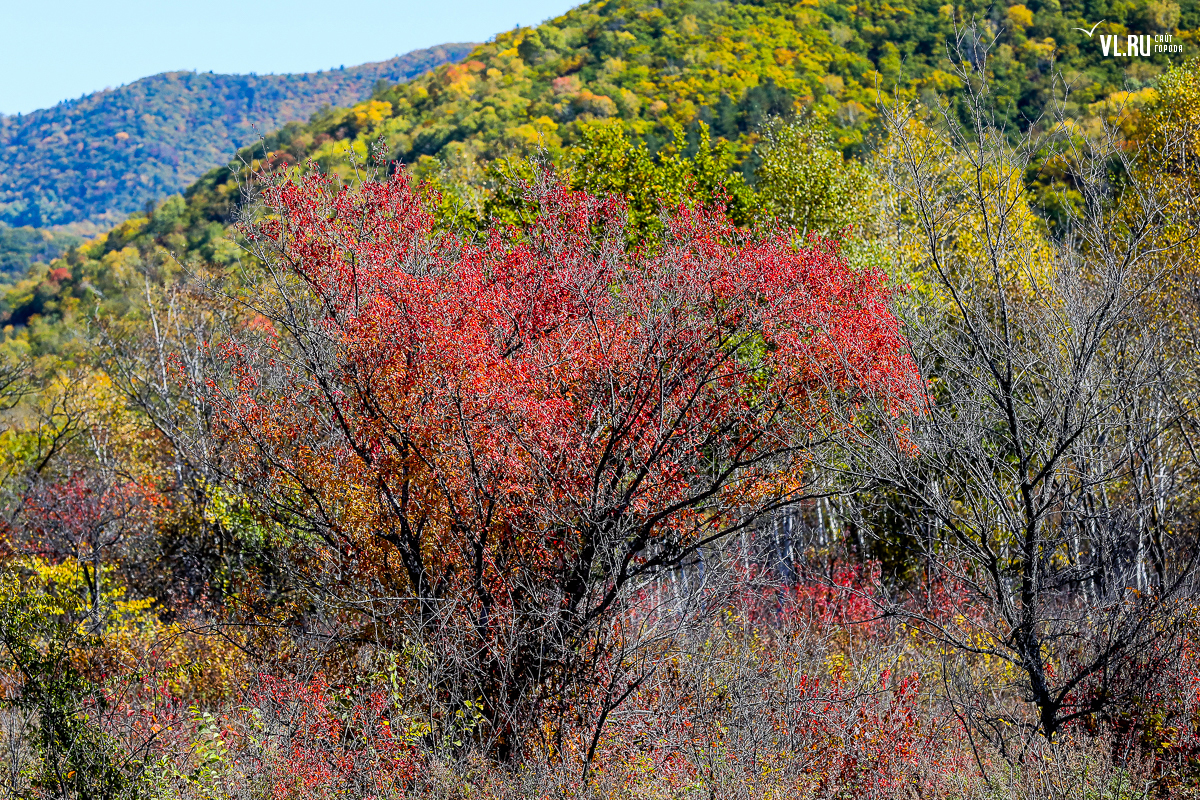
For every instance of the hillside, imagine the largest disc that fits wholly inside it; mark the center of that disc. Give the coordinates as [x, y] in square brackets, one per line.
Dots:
[649, 65]
[98, 158]
[22, 247]
[643, 68]
[731, 64]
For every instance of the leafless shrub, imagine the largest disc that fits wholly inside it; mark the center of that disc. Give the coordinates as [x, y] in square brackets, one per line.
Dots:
[1052, 464]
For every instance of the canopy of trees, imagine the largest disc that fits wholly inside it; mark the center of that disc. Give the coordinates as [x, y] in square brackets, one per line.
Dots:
[621, 413]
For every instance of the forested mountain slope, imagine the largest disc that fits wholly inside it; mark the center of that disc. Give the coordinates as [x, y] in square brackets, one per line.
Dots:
[22, 247]
[731, 64]
[98, 158]
[647, 68]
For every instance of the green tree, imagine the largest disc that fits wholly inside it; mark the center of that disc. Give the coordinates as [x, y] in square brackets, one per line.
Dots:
[805, 182]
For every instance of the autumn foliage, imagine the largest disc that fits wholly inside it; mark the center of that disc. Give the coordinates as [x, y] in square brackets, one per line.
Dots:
[510, 434]
[514, 490]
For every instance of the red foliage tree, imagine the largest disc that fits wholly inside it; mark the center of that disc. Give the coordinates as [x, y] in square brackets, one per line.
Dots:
[87, 517]
[508, 436]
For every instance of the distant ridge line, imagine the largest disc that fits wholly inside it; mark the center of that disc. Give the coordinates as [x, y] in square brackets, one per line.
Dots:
[93, 160]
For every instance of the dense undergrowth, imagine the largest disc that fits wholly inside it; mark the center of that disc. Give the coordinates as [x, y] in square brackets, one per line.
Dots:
[783, 692]
[625, 469]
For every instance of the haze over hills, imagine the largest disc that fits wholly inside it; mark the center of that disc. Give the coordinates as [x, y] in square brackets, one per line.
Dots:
[88, 163]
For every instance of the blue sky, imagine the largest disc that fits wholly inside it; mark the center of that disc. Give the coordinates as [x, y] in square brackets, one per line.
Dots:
[54, 50]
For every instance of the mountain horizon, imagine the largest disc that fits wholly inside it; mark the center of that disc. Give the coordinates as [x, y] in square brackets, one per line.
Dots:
[85, 164]
[68, 101]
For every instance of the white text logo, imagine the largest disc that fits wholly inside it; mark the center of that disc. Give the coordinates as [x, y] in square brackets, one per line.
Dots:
[1138, 45]
[1141, 44]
